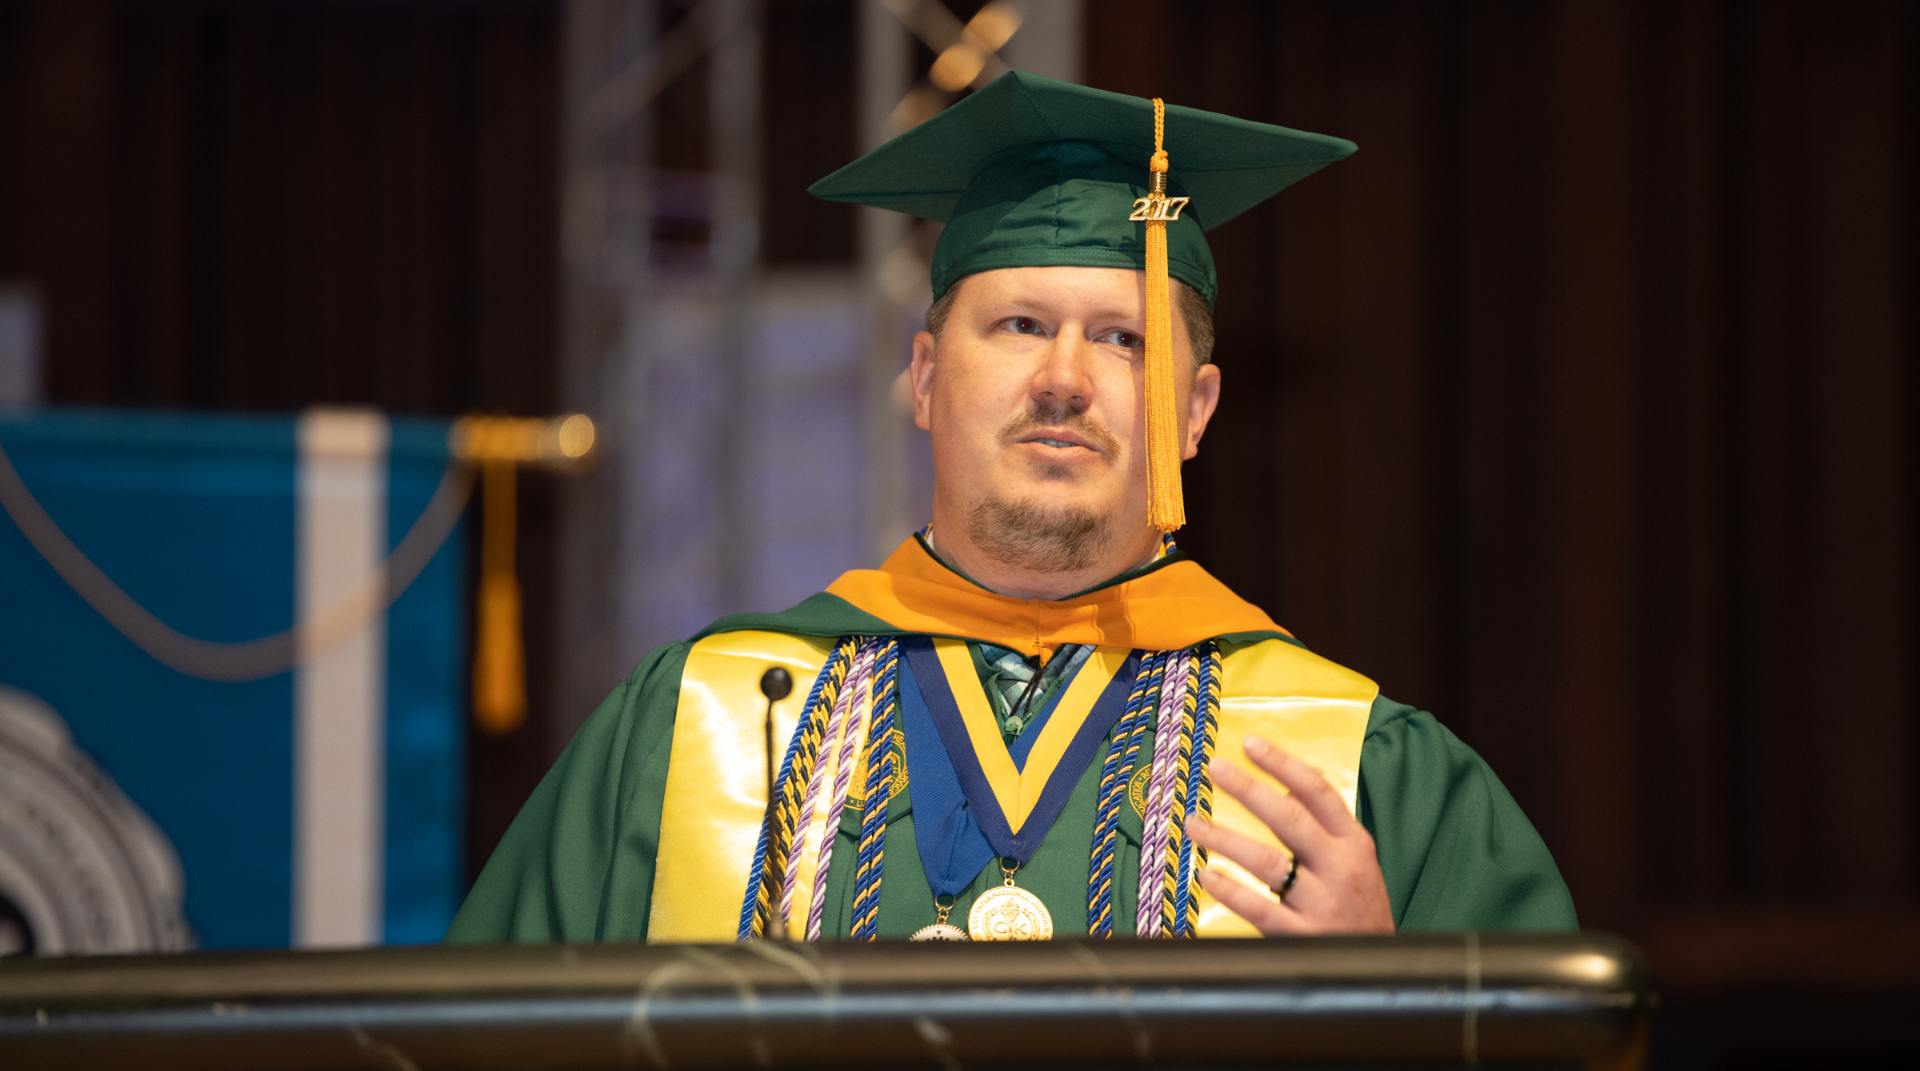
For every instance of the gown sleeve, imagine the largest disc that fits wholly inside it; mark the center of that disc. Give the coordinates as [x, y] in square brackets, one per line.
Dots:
[1457, 852]
[577, 863]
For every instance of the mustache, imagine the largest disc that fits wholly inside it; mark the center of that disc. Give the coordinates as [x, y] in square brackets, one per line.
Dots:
[1041, 416]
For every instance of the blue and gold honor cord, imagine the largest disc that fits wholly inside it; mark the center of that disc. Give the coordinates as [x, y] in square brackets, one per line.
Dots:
[777, 836]
[882, 781]
[1174, 906]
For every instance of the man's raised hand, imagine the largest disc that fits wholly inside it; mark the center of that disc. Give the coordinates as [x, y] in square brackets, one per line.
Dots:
[1338, 887]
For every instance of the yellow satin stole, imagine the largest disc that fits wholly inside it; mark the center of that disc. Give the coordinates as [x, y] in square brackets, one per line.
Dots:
[716, 792]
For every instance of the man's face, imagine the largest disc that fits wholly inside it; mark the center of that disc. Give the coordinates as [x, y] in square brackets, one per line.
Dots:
[1034, 396]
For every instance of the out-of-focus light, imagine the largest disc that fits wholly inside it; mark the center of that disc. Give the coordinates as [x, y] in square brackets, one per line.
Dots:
[992, 25]
[575, 436]
[958, 66]
[522, 440]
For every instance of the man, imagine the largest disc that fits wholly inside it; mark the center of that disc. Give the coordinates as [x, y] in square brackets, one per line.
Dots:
[1016, 726]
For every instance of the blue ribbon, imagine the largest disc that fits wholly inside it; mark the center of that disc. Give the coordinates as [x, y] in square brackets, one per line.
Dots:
[957, 821]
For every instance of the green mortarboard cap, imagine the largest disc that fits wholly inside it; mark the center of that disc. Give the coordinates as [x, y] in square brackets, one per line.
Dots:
[1033, 172]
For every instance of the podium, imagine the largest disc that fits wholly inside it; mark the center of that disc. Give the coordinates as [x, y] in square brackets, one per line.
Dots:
[1453, 1000]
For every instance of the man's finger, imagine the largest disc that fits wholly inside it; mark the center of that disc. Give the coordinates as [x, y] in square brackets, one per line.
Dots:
[1264, 861]
[1307, 784]
[1310, 899]
[1250, 904]
[1288, 817]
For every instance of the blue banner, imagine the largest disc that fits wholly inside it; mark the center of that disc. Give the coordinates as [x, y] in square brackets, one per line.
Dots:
[286, 799]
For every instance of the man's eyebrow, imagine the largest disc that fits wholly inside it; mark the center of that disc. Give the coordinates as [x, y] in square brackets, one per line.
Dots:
[1019, 307]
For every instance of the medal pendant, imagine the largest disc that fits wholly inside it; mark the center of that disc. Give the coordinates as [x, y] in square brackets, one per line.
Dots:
[1009, 914]
[941, 930]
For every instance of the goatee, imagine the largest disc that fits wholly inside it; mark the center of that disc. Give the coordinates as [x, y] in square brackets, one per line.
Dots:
[1028, 535]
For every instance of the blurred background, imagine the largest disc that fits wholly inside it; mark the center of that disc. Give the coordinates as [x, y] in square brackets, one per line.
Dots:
[1578, 408]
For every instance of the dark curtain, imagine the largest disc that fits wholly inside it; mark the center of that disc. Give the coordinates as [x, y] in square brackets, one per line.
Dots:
[281, 203]
[1578, 408]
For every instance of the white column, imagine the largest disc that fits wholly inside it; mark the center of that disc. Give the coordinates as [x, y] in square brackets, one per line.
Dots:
[339, 809]
[20, 338]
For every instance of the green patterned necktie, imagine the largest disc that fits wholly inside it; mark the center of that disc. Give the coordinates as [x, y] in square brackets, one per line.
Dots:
[1009, 675]
[1016, 696]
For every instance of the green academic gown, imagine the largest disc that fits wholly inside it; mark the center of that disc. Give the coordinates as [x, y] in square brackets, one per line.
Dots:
[578, 863]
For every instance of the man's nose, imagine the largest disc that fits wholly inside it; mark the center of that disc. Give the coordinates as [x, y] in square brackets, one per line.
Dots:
[1062, 379]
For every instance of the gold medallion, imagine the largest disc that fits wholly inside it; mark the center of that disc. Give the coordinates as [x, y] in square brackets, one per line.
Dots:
[941, 930]
[1009, 914]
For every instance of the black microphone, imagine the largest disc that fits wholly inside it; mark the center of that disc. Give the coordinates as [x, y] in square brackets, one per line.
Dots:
[776, 684]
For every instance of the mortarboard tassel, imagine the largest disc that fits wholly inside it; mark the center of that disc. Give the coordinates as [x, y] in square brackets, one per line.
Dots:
[497, 445]
[499, 659]
[1166, 507]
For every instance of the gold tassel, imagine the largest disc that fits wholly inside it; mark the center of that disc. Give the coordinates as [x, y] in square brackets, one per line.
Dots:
[1166, 506]
[499, 659]
[499, 445]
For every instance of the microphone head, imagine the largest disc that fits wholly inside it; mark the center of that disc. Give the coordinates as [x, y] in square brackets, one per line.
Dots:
[776, 683]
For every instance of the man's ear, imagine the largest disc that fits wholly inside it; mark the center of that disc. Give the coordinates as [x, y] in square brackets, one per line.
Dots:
[920, 378]
[1201, 402]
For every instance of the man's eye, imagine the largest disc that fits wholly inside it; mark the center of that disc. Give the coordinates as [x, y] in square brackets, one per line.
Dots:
[1024, 325]
[1122, 338]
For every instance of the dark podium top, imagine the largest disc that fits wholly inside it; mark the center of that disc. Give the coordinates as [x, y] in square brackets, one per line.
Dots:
[1424, 1000]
